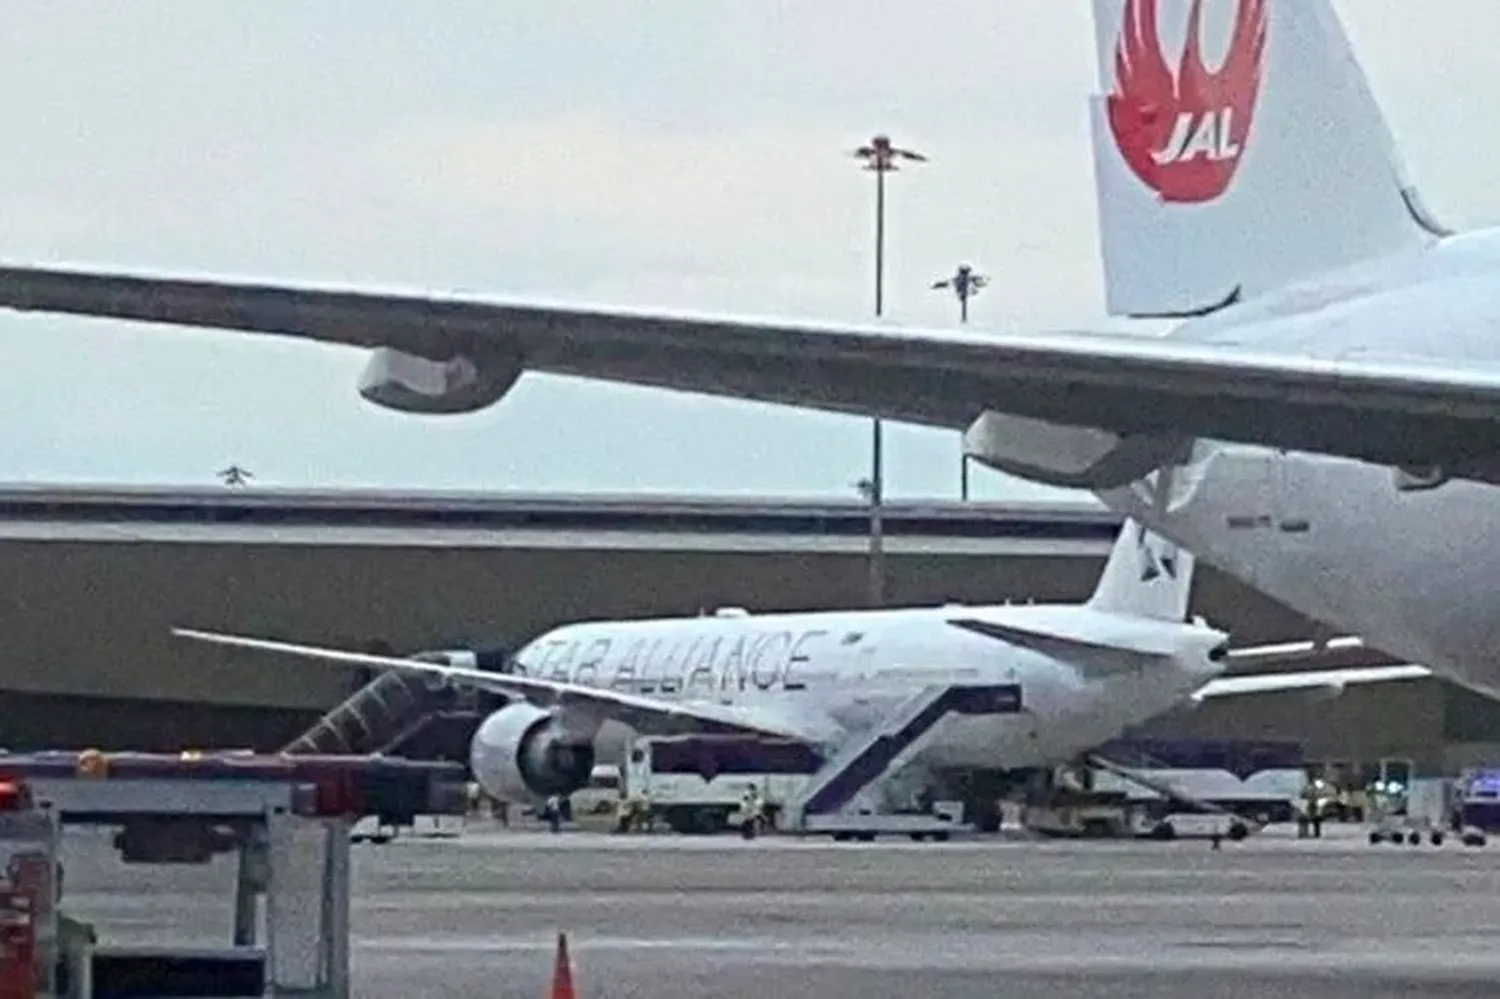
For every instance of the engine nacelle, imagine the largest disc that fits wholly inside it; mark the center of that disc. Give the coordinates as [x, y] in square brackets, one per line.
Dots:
[492, 660]
[462, 383]
[520, 753]
[1056, 454]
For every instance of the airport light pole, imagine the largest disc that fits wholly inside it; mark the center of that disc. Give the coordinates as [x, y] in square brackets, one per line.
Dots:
[234, 475]
[880, 157]
[965, 284]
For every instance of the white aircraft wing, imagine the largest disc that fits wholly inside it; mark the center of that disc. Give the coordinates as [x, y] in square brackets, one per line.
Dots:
[1310, 680]
[646, 715]
[1396, 411]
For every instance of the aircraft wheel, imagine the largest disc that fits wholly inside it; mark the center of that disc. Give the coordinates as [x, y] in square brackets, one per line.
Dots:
[940, 837]
[1436, 837]
[1375, 838]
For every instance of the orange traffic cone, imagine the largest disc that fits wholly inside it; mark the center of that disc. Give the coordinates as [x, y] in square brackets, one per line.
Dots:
[562, 972]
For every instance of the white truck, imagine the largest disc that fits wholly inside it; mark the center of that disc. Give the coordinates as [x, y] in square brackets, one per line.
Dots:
[696, 783]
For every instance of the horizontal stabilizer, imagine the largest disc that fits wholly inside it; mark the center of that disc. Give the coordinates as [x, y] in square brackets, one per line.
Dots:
[1059, 636]
[1096, 651]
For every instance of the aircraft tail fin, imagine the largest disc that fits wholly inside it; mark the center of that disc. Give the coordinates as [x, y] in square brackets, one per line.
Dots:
[1237, 148]
[1146, 576]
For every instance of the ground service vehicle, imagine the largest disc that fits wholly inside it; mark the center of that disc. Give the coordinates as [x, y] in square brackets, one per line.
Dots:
[696, 783]
[1257, 779]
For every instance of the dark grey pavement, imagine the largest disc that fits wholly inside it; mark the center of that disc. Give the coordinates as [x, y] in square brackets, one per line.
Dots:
[671, 917]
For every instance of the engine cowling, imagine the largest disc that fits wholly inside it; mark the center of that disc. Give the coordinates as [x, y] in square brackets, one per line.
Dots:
[521, 753]
[1055, 454]
[461, 383]
[499, 659]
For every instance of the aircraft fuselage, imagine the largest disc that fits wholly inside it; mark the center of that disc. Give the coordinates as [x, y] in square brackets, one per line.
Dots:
[843, 672]
[1351, 544]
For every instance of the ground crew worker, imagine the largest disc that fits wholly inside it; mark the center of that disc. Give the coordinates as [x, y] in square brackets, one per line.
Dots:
[552, 813]
[1313, 804]
[926, 799]
[750, 812]
[1316, 793]
[641, 814]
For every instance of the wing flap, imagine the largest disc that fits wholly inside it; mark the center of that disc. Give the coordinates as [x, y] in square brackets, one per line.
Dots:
[1392, 411]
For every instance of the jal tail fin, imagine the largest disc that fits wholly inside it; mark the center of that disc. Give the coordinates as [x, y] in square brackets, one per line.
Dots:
[1146, 576]
[1238, 148]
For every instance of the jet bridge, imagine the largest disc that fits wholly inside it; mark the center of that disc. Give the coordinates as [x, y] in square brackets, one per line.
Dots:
[286, 821]
[824, 803]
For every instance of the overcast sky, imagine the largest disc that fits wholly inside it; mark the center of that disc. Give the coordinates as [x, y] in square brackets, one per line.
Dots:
[645, 152]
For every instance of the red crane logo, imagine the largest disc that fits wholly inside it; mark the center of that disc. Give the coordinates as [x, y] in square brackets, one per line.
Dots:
[1183, 133]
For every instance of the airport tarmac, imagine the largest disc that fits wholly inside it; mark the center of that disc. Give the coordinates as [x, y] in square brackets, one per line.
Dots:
[669, 916]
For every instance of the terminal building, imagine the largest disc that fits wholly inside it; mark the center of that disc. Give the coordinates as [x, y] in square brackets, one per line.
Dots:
[92, 581]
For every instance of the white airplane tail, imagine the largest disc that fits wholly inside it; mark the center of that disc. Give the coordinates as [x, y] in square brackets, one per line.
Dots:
[1238, 148]
[1146, 576]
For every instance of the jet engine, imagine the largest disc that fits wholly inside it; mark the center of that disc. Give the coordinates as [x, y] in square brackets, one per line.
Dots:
[461, 383]
[522, 752]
